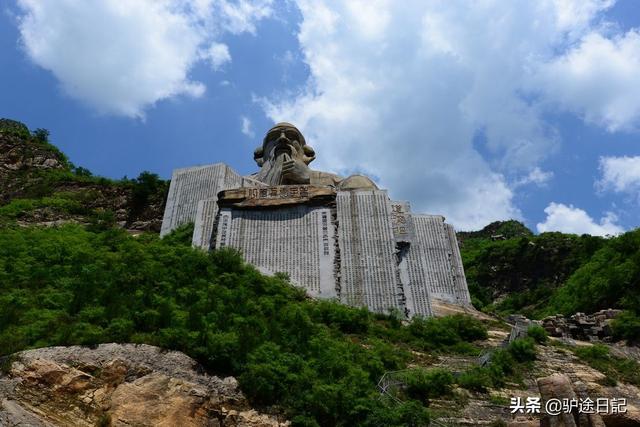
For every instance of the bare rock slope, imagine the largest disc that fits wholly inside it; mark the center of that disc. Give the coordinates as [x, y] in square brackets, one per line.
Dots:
[119, 385]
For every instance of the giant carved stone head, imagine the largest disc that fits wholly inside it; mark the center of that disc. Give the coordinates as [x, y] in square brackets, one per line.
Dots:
[284, 156]
[284, 138]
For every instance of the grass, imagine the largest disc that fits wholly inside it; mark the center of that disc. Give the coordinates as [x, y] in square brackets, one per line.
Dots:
[599, 357]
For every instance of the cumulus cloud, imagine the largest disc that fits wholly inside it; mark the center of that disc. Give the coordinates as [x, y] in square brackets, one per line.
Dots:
[400, 91]
[121, 57]
[536, 176]
[599, 79]
[218, 55]
[569, 219]
[620, 174]
[242, 15]
[246, 127]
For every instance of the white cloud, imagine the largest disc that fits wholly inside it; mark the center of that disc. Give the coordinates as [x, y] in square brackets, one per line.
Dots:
[620, 174]
[536, 176]
[218, 55]
[400, 90]
[246, 127]
[122, 57]
[598, 79]
[242, 15]
[569, 219]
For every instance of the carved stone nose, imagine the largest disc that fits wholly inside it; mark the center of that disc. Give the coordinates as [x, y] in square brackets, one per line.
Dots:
[282, 137]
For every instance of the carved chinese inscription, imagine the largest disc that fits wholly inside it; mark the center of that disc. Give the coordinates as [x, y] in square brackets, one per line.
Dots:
[275, 196]
[278, 192]
[401, 222]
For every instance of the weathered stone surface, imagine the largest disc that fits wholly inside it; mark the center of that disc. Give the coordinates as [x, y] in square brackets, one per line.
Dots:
[435, 262]
[335, 237]
[591, 327]
[586, 381]
[189, 186]
[557, 386]
[281, 195]
[298, 240]
[120, 385]
[368, 271]
[284, 158]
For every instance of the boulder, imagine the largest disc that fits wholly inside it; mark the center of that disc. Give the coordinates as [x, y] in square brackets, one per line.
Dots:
[120, 385]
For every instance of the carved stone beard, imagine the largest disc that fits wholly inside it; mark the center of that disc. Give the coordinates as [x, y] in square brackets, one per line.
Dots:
[271, 171]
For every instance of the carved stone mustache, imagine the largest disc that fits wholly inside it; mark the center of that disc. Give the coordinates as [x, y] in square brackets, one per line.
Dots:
[283, 147]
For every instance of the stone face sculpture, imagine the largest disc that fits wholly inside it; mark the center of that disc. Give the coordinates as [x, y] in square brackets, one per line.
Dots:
[337, 237]
[284, 158]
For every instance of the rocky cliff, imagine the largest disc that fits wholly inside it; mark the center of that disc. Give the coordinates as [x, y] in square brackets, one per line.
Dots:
[47, 189]
[119, 385]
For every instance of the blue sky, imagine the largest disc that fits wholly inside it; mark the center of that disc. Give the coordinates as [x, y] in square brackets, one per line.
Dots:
[527, 110]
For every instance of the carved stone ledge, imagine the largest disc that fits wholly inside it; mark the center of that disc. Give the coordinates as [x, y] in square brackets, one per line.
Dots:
[276, 196]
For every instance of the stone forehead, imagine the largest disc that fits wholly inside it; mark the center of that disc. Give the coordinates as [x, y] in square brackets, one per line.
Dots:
[285, 125]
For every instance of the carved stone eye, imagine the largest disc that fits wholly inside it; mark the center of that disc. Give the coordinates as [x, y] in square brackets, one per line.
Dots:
[258, 155]
[273, 136]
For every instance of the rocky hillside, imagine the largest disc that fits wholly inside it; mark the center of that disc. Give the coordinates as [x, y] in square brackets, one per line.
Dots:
[120, 385]
[41, 186]
[511, 270]
[233, 347]
[140, 385]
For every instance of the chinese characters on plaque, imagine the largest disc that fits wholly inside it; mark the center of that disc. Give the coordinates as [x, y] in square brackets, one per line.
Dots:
[279, 192]
[401, 222]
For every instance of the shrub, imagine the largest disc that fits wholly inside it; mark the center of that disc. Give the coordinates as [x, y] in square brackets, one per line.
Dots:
[145, 187]
[615, 368]
[5, 364]
[70, 285]
[433, 332]
[467, 327]
[41, 135]
[538, 333]
[12, 127]
[502, 364]
[405, 414]
[626, 326]
[447, 332]
[476, 379]
[82, 172]
[423, 384]
[346, 319]
[523, 349]
[593, 352]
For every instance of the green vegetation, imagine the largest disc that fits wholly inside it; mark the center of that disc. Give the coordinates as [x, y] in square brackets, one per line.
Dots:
[538, 334]
[615, 368]
[423, 384]
[554, 273]
[38, 140]
[60, 203]
[505, 364]
[611, 278]
[6, 362]
[499, 229]
[525, 269]
[14, 128]
[319, 360]
[143, 189]
[42, 185]
[627, 326]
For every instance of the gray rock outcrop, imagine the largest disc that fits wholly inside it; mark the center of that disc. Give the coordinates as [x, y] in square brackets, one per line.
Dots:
[119, 385]
[587, 327]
